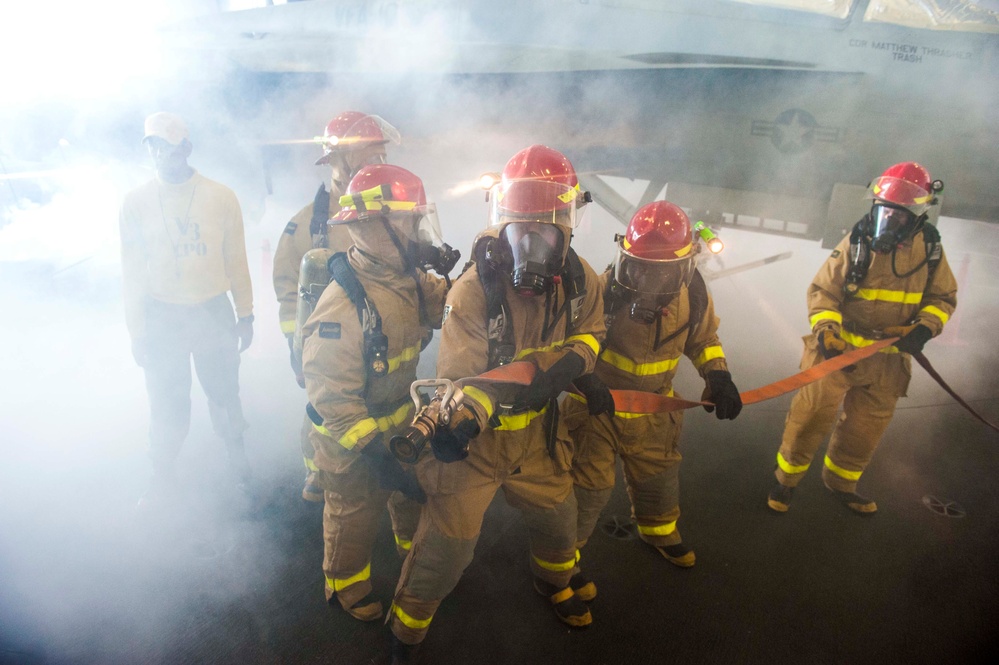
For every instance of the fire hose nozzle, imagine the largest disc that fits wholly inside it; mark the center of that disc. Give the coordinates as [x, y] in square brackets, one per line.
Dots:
[406, 447]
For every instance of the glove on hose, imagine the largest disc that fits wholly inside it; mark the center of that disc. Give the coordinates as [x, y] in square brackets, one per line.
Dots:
[830, 343]
[549, 384]
[450, 444]
[723, 393]
[390, 475]
[914, 338]
[598, 396]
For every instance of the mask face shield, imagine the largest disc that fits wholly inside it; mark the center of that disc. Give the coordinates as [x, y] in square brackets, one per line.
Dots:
[890, 225]
[653, 283]
[537, 250]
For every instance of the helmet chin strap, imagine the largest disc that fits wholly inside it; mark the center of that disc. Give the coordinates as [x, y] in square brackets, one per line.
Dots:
[408, 266]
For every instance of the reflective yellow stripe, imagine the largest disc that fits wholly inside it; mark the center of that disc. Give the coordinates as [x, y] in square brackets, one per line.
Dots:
[589, 340]
[309, 464]
[406, 355]
[825, 315]
[288, 327]
[558, 567]
[357, 432]
[841, 472]
[408, 621]
[628, 365]
[540, 349]
[403, 543]
[859, 341]
[786, 466]
[905, 297]
[480, 398]
[709, 354]
[663, 530]
[369, 425]
[341, 584]
[937, 312]
[517, 421]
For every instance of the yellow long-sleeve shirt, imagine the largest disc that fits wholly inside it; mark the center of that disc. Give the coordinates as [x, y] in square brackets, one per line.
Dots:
[182, 244]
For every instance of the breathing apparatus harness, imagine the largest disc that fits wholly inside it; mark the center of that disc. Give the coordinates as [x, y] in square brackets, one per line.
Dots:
[490, 259]
[616, 298]
[860, 253]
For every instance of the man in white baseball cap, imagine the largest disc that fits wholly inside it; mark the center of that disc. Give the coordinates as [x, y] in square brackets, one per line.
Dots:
[183, 251]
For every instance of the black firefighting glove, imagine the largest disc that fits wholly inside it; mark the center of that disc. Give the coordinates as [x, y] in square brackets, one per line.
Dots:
[914, 338]
[723, 393]
[830, 343]
[450, 444]
[547, 385]
[598, 396]
[296, 362]
[244, 330]
[390, 475]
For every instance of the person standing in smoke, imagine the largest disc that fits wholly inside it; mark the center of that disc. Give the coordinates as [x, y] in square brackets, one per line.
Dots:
[361, 348]
[657, 309]
[350, 140]
[528, 297]
[888, 278]
[182, 251]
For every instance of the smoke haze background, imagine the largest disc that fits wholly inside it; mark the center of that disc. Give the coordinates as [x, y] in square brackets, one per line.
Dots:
[81, 579]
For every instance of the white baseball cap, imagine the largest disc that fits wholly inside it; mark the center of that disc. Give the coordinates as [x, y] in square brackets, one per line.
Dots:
[166, 126]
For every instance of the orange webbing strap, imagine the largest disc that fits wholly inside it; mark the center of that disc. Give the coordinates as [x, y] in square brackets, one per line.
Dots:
[636, 401]
[814, 373]
[921, 359]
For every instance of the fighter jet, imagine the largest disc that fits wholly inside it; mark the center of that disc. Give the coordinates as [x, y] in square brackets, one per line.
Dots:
[771, 114]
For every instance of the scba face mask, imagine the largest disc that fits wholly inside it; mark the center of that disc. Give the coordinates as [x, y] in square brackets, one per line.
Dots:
[890, 226]
[537, 250]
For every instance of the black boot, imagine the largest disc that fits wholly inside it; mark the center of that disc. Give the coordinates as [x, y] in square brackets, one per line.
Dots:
[404, 654]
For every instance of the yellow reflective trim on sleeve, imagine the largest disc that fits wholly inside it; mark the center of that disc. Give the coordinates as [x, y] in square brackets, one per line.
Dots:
[587, 339]
[518, 421]
[787, 467]
[288, 327]
[662, 530]
[937, 312]
[886, 295]
[309, 464]
[357, 432]
[322, 430]
[841, 472]
[541, 349]
[394, 419]
[338, 584]
[411, 353]
[408, 621]
[628, 365]
[709, 354]
[369, 425]
[860, 341]
[825, 315]
[558, 567]
[403, 543]
[480, 398]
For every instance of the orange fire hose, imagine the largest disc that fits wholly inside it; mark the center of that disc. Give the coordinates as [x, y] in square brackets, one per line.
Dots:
[636, 401]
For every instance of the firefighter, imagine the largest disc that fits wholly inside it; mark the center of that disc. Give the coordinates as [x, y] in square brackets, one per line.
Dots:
[888, 278]
[182, 251]
[361, 348]
[350, 140]
[527, 297]
[657, 308]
